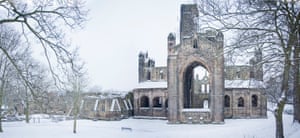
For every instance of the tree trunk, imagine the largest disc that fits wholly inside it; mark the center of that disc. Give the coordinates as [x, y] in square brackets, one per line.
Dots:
[27, 108]
[278, 118]
[75, 124]
[76, 110]
[281, 102]
[296, 93]
[1, 96]
[27, 112]
[297, 105]
[1, 130]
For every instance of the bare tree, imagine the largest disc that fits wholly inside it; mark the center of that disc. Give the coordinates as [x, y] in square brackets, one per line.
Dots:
[45, 22]
[77, 78]
[272, 25]
[9, 41]
[36, 77]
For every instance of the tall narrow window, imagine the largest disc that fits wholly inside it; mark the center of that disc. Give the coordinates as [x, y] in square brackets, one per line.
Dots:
[161, 75]
[166, 103]
[207, 88]
[205, 104]
[227, 101]
[203, 88]
[148, 75]
[241, 102]
[195, 44]
[254, 100]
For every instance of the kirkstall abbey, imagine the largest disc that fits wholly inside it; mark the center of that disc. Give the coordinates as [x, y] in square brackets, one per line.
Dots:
[196, 86]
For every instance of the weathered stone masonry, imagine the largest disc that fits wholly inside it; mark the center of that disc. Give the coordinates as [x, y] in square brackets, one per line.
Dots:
[196, 86]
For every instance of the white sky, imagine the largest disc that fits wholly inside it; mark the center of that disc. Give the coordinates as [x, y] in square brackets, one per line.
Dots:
[117, 31]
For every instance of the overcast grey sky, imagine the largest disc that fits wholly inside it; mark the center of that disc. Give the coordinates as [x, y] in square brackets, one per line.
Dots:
[117, 31]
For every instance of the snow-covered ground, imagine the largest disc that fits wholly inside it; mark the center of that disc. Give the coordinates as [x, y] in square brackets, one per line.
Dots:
[233, 128]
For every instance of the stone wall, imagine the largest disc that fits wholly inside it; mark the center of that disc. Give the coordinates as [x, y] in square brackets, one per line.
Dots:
[108, 108]
[248, 110]
[150, 110]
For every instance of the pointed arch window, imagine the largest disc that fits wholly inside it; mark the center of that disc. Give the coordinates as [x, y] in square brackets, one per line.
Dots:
[195, 43]
[148, 75]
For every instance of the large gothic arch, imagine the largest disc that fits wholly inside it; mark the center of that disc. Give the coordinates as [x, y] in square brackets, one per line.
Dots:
[183, 104]
[191, 98]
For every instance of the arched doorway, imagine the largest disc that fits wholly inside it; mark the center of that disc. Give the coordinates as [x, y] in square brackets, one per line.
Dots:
[196, 86]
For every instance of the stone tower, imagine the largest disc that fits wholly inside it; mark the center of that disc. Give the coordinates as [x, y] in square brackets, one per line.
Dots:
[196, 50]
[256, 70]
[189, 21]
[141, 67]
[145, 67]
[258, 65]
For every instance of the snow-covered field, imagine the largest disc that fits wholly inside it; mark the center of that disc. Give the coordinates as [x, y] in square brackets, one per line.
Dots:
[233, 128]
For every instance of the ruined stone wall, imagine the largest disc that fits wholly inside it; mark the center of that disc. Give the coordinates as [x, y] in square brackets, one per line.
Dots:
[150, 94]
[237, 72]
[148, 71]
[96, 108]
[159, 74]
[248, 110]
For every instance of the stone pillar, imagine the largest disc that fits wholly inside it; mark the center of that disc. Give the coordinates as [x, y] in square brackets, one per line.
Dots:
[218, 95]
[172, 90]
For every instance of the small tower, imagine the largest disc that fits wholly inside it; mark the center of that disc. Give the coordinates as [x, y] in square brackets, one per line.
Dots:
[171, 42]
[141, 66]
[259, 66]
[256, 70]
[146, 66]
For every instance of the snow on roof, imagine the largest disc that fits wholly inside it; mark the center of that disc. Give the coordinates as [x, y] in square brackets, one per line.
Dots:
[152, 84]
[244, 84]
[105, 96]
[228, 84]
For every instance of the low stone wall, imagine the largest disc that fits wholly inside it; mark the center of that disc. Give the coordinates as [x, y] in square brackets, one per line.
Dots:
[196, 117]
